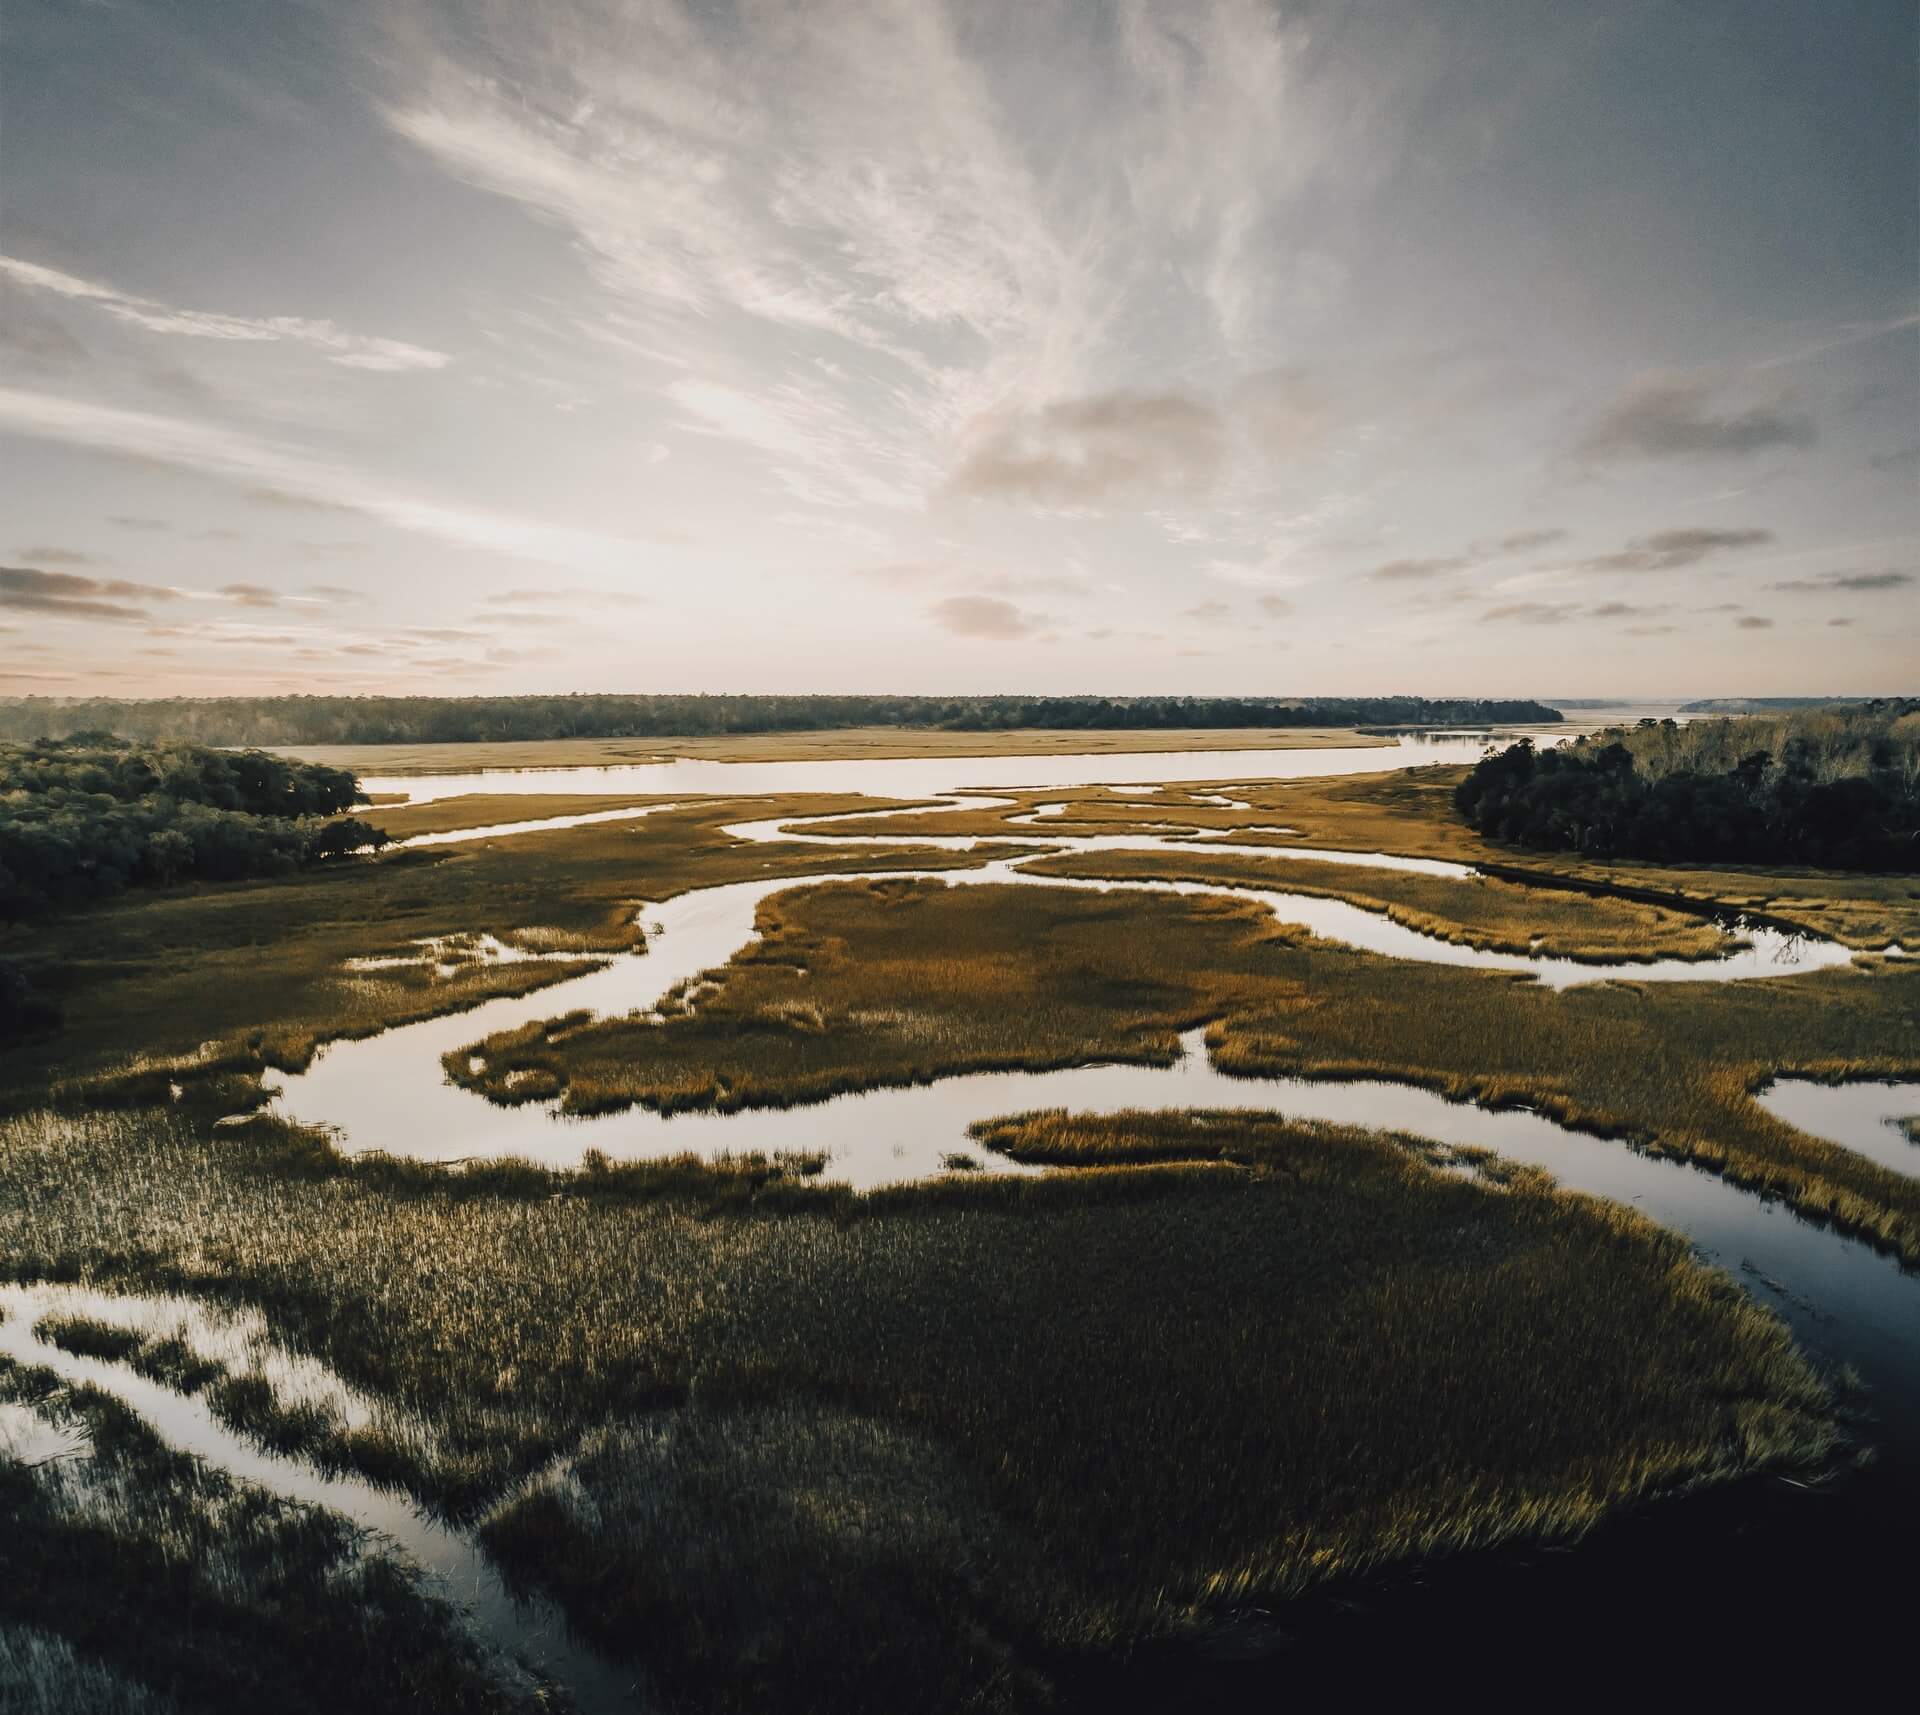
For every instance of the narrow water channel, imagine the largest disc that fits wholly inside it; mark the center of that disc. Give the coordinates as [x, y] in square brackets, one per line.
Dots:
[532, 1632]
[1847, 1304]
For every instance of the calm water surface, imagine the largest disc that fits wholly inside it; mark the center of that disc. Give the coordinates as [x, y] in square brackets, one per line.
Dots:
[1847, 1304]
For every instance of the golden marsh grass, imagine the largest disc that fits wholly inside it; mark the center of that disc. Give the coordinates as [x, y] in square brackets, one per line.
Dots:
[1213, 1359]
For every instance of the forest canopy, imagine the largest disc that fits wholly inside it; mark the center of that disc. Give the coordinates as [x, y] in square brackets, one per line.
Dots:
[85, 816]
[278, 721]
[1835, 788]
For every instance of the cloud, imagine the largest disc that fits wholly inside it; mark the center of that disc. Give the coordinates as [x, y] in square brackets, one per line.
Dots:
[1268, 573]
[986, 617]
[1851, 581]
[66, 595]
[341, 594]
[899, 574]
[1754, 622]
[58, 557]
[1273, 606]
[128, 521]
[35, 341]
[1526, 541]
[268, 472]
[1100, 450]
[1663, 418]
[1533, 612]
[524, 617]
[251, 595]
[1840, 622]
[267, 495]
[1074, 586]
[1669, 550]
[1846, 333]
[352, 351]
[569, 595]
[1210, 612]
[1411, 571]
[1620, 610]
[1282, 413]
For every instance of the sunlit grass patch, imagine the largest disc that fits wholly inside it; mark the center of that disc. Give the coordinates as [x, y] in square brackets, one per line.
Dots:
[861, 985]
[1491, 915]
[251, 974]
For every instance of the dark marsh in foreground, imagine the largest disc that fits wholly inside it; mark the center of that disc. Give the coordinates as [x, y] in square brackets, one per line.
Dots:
[824, 1451]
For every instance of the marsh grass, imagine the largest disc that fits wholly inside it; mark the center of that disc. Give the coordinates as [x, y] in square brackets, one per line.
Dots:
[843, 744]
[859, 984]
[866, 984]
[235, 978]
[41, 1671]
[133, 1578]
[823, 1450]
[1410, 812]
[1490, 915]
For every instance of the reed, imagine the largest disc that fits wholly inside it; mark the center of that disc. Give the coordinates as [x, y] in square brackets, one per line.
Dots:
[864, 984]
[956, 1434]
[135, 1580]
[242, 976]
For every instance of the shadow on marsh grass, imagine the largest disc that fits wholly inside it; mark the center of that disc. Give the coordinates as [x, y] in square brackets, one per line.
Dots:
[819, 1450]
[134, 1579]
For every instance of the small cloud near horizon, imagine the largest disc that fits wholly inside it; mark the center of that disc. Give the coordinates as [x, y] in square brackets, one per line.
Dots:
[71, 596]
[1859, 581]
[1670, 550]
[985, 617]
[1409, 571]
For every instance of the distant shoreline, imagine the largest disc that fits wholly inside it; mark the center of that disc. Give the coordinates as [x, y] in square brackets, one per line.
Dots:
[840, 745]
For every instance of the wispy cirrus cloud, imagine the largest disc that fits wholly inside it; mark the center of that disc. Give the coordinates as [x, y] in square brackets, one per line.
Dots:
[1871, 582]
[335, 344]
[260, 467]
[1670, 550]
[1417, 571]
[569, 595]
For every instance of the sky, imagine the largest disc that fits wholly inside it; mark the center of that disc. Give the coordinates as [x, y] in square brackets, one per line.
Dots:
[1135, 347]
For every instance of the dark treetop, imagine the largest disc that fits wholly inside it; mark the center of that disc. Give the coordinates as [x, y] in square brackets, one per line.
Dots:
[1835, 788]
[86, 816]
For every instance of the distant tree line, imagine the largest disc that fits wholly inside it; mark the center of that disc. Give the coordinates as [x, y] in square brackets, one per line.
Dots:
[85, 816]
[1836, 788]
[446, 720]
[1762, 705]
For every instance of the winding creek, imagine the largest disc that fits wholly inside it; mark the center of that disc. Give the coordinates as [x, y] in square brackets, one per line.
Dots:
[530, 1631]
[1846, 1303]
